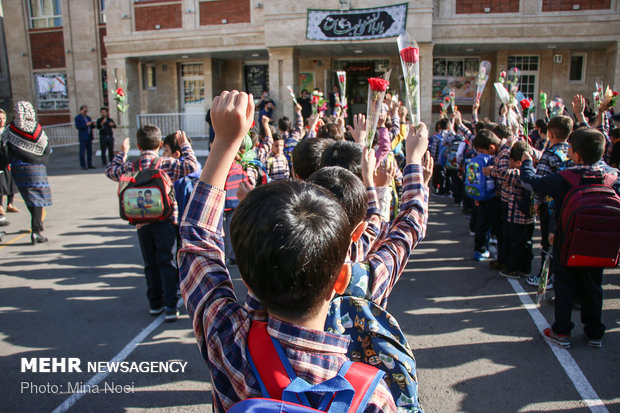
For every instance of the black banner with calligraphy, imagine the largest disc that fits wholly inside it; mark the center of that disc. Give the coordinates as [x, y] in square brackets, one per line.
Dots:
[360, 24]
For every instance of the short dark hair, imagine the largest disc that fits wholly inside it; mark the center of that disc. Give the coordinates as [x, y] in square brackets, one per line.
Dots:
[485, 138]
[347, 188]
[444, 123]
[502, 131]
[589, 143]
[171, 141]
[290, 239]
[345, 154]
[543, 128]
[561, 126]
[331, 131]
[540, 123]
[277, 137]
[82, 107]
[307, 156]
[148, 191]
[104, 108]
[149, 137]
[284, 124]
[518, 149]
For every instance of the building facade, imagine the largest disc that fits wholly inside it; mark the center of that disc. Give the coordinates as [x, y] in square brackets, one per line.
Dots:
[174, 56]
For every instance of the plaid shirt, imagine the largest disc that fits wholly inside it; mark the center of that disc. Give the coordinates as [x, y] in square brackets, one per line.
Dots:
[175, 168]
[292, 139]
[515, 194]
[501, 161]
[264, 149]
[437, 141]
[221, 324]
[277, 167]
[549, 164]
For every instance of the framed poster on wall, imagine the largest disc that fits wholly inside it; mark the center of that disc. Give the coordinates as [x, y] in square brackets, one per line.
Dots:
[306, 81]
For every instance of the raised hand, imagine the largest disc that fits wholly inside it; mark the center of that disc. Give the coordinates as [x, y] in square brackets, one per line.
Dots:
[369, 161]
[416, 144]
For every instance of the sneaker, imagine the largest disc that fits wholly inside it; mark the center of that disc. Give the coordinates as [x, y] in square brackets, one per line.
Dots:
[534, 280]
[595, 342]
[515, 275]
[156, 311]
[481, 256]
[560, 340]
[550, 284]
[472, 233]
[172, 314]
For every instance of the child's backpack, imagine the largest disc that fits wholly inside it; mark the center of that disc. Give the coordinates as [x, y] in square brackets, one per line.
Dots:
[146, 195]
[443, 156]
[451, 158]
[478, 186]
[348, 391]
[590, 220]
[376, 337]
[562, 154]
[183, 188]
[261, 169]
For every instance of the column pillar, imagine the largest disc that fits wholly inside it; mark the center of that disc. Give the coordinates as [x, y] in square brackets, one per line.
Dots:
[283, 71]
[121, 69]
[426, 83]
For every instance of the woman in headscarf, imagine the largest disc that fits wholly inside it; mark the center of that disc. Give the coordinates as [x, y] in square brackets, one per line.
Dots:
[7, 184]
[29, 152]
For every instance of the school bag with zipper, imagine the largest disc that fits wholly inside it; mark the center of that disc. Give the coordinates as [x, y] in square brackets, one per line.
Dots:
[348, 392]
[590, 220]
[451, 156]
[376, 337]
[478, 186]
[146, 195]
[261, 171]
[562, 154]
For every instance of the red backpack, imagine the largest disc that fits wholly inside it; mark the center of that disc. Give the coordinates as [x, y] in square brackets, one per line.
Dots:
[590, 220]
[146, 195]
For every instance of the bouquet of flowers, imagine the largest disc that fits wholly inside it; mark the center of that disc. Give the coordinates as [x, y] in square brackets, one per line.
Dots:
[290, 91]
[410, 61]
[556, 107]
[120, 96]
[598, 94]
[317, 101]
[482, 78]
[502, 77]
[512, 83]
[542, 99]
[452, 100]
[527, 109]
[342, 82]
[377, 86]
[609, 98]
[443, 106]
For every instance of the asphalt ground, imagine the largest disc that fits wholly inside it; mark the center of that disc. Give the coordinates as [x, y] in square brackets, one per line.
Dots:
[82, 295]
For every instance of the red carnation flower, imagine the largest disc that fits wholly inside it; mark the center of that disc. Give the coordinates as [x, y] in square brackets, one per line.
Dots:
[502, 73]
[378, 84]
[341, 79]
[525, 104]
[410, 54]
[120, 92]
[615, 93]
[441, 105]
[447, 99]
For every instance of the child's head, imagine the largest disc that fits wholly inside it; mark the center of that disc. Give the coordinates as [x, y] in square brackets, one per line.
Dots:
[559, 128]
[290, 239]
[540, 123]
[345, 154]
[486, 142]
[516, 154]
[347, 188]
[586, 146]
[148, 194]
[171, 146]
[149, 138]
[307, 156]
[284, 124]
[502, 131]
[444, 124]
[278, 145]
[330, 131]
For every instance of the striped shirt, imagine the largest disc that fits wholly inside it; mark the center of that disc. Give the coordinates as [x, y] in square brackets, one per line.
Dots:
[175, 168]
[221, 324]
[550, 163]
[516, 195]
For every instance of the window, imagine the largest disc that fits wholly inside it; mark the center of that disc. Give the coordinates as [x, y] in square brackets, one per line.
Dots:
[51, 91]
[45, 13]
[149, 80]
[101, 9]
[577, 73]
[192, 83]
[528, 65]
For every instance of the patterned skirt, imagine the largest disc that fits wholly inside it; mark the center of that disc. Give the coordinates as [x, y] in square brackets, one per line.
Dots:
[31, 180]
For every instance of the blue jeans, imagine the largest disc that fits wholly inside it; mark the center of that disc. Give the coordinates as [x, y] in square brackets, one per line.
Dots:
[158, 246]
[86, 145]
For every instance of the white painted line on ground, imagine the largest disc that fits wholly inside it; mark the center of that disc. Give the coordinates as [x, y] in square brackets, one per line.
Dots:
[121, 356]
[568, 363]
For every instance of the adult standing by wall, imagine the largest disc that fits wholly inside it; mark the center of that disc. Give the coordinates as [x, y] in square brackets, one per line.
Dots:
[105, 124]
[29, 153]
[84, 125]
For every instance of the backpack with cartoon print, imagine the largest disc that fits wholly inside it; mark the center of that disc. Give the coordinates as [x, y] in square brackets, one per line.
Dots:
[376, 338]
